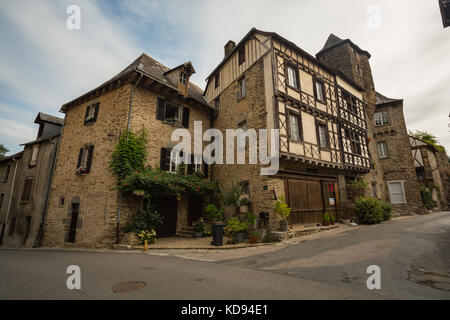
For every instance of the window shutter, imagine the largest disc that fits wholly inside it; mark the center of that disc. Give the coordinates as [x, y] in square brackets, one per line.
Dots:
[244, 88]
[237, 96]
[191, 166]
[80, 157]
[185, 120]
[26, 190]
[86, 115]
[97, 106]
[163, 163]
[205, 169]
[89, 158]
[160, 109]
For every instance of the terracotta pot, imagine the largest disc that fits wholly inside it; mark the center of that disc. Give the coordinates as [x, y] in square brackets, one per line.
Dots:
[253, 240]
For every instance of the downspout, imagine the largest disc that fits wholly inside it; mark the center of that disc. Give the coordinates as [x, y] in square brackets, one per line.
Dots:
[40, 236]
[11, 194]
[130, 109]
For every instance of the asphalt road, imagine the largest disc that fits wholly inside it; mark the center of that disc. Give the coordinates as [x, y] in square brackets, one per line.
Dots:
[413, 255]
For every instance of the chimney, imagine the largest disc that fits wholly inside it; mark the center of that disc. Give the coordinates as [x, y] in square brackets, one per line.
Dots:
[229, 47]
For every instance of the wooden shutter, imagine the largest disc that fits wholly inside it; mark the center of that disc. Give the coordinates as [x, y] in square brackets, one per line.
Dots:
[27, 190]
[185, 120]
[191, 166]
[89, 158]
[205, 169]
[97, 106]
[80, 157]
[86, 115]
[160, 108]
[163, 165]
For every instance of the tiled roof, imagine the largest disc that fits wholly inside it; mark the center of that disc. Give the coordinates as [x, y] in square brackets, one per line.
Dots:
[16, 155]
[383, 99]
[43, 117]
[334, 41]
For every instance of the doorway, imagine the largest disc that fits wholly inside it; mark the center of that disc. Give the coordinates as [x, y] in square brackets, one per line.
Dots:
[73, 222]
[195, 210]
[167, 207]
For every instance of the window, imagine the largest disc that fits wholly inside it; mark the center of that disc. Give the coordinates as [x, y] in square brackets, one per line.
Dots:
[172, 113]
[34, 155]
[217, 103]
[217, 80]
[6, 175]
[381, 118]
[355, 141]
[420, 171]
[319, 90]
[242, 90]
[292, 77]
[91, 113]
[374, 189]
[183, 78]
[1, 199]
[331, 194]
[73, 223]
[382, 149]
[241, 54]
[169, 161]
[12, 226]
[359, 70]
[85, 159]
[245, 187]
[26, 193]
[294, 126]
[350, 102]
[243, 125]
[61, 200]
[396, 192]
[323, 137]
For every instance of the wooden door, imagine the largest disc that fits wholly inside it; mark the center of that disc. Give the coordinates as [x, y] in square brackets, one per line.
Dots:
[167, 208]
[306, 201]
[195, 210]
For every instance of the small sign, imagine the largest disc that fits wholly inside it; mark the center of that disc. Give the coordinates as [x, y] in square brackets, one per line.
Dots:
[445, 12]
[332, 201]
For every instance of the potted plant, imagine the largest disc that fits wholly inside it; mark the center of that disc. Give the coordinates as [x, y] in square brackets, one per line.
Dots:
[250, 218]
[237, 229]
[254, 237]
[244, 205]
[326, 219]
[283, 211]
[331, 218]
[213, 213]
[198, 229]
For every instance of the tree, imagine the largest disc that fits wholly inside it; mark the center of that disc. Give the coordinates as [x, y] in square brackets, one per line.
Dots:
[427, 137]
[3, 151]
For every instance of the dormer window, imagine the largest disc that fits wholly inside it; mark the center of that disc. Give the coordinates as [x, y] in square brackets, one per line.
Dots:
[91, 113]
[183, 78]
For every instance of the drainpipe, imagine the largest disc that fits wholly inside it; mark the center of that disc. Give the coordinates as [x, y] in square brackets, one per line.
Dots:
[11, 194]
[130, 109]
[40, 236]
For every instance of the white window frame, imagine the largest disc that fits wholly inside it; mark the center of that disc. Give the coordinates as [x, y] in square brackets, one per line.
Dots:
[242, 88]
[402, 182]
[381, 118]
[383, 153]
[295, 134]
[91, 112]
[322, 129]
[319, 89]
[292, 77]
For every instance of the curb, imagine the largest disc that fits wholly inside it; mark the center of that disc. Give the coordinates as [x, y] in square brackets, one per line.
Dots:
[130, 247]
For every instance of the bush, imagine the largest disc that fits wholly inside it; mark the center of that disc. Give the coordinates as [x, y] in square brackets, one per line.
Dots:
[207, 231]
[368, 210]
[245, 202]
[386, 210]
[144, 235]
[326, 219]
[427, 198]
[235, 226]
[145, 219]
[269, 238]
[198, 226]
[213, 213]
[250, 218]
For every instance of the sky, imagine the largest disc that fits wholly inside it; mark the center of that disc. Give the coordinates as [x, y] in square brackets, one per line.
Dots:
[44, 64]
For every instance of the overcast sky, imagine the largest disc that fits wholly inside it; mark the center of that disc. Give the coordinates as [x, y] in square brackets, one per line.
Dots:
[43, 64]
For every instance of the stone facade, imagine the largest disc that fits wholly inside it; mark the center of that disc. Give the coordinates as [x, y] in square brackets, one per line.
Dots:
[354, 63]
[92, 195]
[23, 207]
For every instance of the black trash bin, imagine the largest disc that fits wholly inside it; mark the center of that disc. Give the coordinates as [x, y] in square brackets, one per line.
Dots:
[217, 234]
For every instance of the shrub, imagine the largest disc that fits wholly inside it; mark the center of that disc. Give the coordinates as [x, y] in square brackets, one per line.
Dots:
[245, 202]
[386, 210]
[427, 198]
[207, 231]
[231, 196]
[282, 209]
[269, 238]
[250, 218]
[326, 219]
[144, 219]
[150, 236]
[368, 210]
[235, 226]
[213, 213]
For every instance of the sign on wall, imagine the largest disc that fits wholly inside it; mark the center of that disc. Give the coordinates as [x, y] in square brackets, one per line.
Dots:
[445, 12]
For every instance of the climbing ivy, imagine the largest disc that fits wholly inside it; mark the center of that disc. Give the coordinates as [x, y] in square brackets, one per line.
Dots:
[129, 155]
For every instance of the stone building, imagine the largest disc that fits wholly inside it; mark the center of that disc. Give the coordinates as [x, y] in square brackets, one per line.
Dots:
[84, 209]
[392, 176]
[267, 82]
[25, 185]
[432, 170]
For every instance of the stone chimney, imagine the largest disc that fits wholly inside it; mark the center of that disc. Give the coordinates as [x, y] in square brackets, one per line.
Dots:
[229, 47]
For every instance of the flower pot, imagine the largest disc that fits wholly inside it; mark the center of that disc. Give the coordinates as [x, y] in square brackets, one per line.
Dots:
[284, 226]
[243, 209]
[198, 234]
[239, 237]
[253, 240]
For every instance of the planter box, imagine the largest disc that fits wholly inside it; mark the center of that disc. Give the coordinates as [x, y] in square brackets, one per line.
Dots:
[239, 237]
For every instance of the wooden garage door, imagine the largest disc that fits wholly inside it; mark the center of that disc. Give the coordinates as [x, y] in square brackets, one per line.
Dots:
[306, 201]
